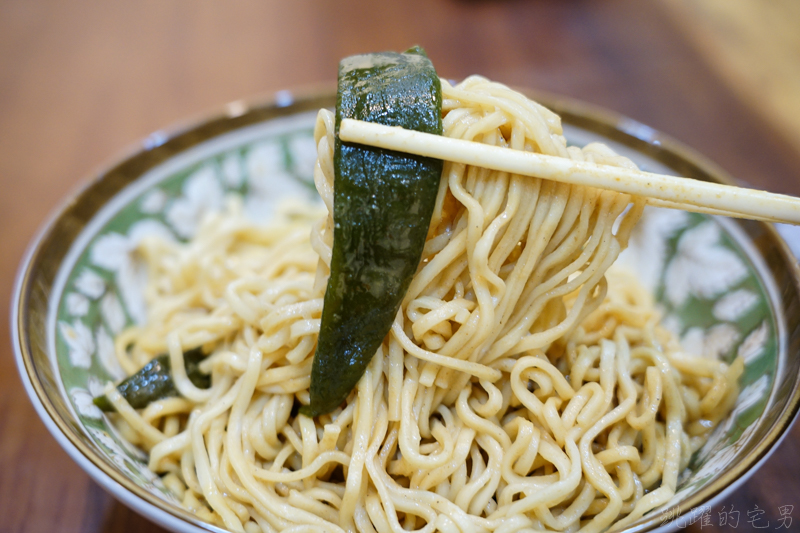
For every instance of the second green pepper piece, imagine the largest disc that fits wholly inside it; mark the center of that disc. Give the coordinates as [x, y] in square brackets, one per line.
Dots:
[154, 381]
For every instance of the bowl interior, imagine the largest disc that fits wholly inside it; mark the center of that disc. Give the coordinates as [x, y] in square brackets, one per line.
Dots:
[726, 288]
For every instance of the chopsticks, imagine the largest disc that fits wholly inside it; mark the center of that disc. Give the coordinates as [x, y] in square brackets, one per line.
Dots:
[659, 189]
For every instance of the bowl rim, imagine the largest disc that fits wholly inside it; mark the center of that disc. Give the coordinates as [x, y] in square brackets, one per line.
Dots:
[163, 144]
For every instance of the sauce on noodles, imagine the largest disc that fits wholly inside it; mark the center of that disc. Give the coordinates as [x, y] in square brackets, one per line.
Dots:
[523, 386]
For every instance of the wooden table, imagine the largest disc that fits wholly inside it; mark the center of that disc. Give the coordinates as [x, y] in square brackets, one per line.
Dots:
[81, 81]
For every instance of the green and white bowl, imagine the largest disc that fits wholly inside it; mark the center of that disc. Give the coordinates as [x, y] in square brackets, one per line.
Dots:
[726, 287]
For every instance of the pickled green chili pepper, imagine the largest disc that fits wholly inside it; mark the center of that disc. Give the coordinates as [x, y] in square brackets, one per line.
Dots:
[154, 381]
[383, 202]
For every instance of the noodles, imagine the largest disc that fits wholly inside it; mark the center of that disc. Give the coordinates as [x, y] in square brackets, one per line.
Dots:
[523, 385]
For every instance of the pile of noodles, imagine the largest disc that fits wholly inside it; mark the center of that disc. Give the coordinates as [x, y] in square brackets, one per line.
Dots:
[518, 389]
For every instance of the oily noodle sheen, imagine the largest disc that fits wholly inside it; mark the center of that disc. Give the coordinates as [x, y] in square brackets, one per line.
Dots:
[518, 390]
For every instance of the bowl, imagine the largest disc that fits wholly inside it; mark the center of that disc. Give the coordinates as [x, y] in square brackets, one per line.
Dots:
[726, 287]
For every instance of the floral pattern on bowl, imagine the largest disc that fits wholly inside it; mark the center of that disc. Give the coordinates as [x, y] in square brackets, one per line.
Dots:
[104, 288]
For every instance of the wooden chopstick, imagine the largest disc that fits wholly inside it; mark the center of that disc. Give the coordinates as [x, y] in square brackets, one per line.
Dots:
[707, 210]
[666, 191]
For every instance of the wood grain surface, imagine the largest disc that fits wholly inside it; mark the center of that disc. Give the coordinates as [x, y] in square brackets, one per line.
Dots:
[755, 47]
[82, 81]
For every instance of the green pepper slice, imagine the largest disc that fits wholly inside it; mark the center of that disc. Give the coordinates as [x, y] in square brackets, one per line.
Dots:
[154, 381]
[383, 203]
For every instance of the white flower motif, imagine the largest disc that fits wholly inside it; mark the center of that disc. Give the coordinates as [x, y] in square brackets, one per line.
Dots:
[117, 253]
[95, 386]
[147, 474]
[734, 305]
[719, 340]
[115, 453]
[672, 323]
[105, 439]
[753, 345]
[112, 312]
[147, 229]
[269, 183]
[107, 355]
[750, 396]
[79, 343]
[693, 341]
[647, 252]
[702, 267]
[110, 251]
[77, 304]
[153, 202]
[131, 281]
[721, 459]
[90, 284]
[304, 155]
[202, 194]
[264, 159]
[119, 446]
[714, 343]
[715, 440]
[232, 174]
[83, 401]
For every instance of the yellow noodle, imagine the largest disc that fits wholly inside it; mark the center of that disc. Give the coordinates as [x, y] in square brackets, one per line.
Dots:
[517, 390]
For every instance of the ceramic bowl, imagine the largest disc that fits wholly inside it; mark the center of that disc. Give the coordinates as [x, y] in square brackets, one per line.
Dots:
[726, 287]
